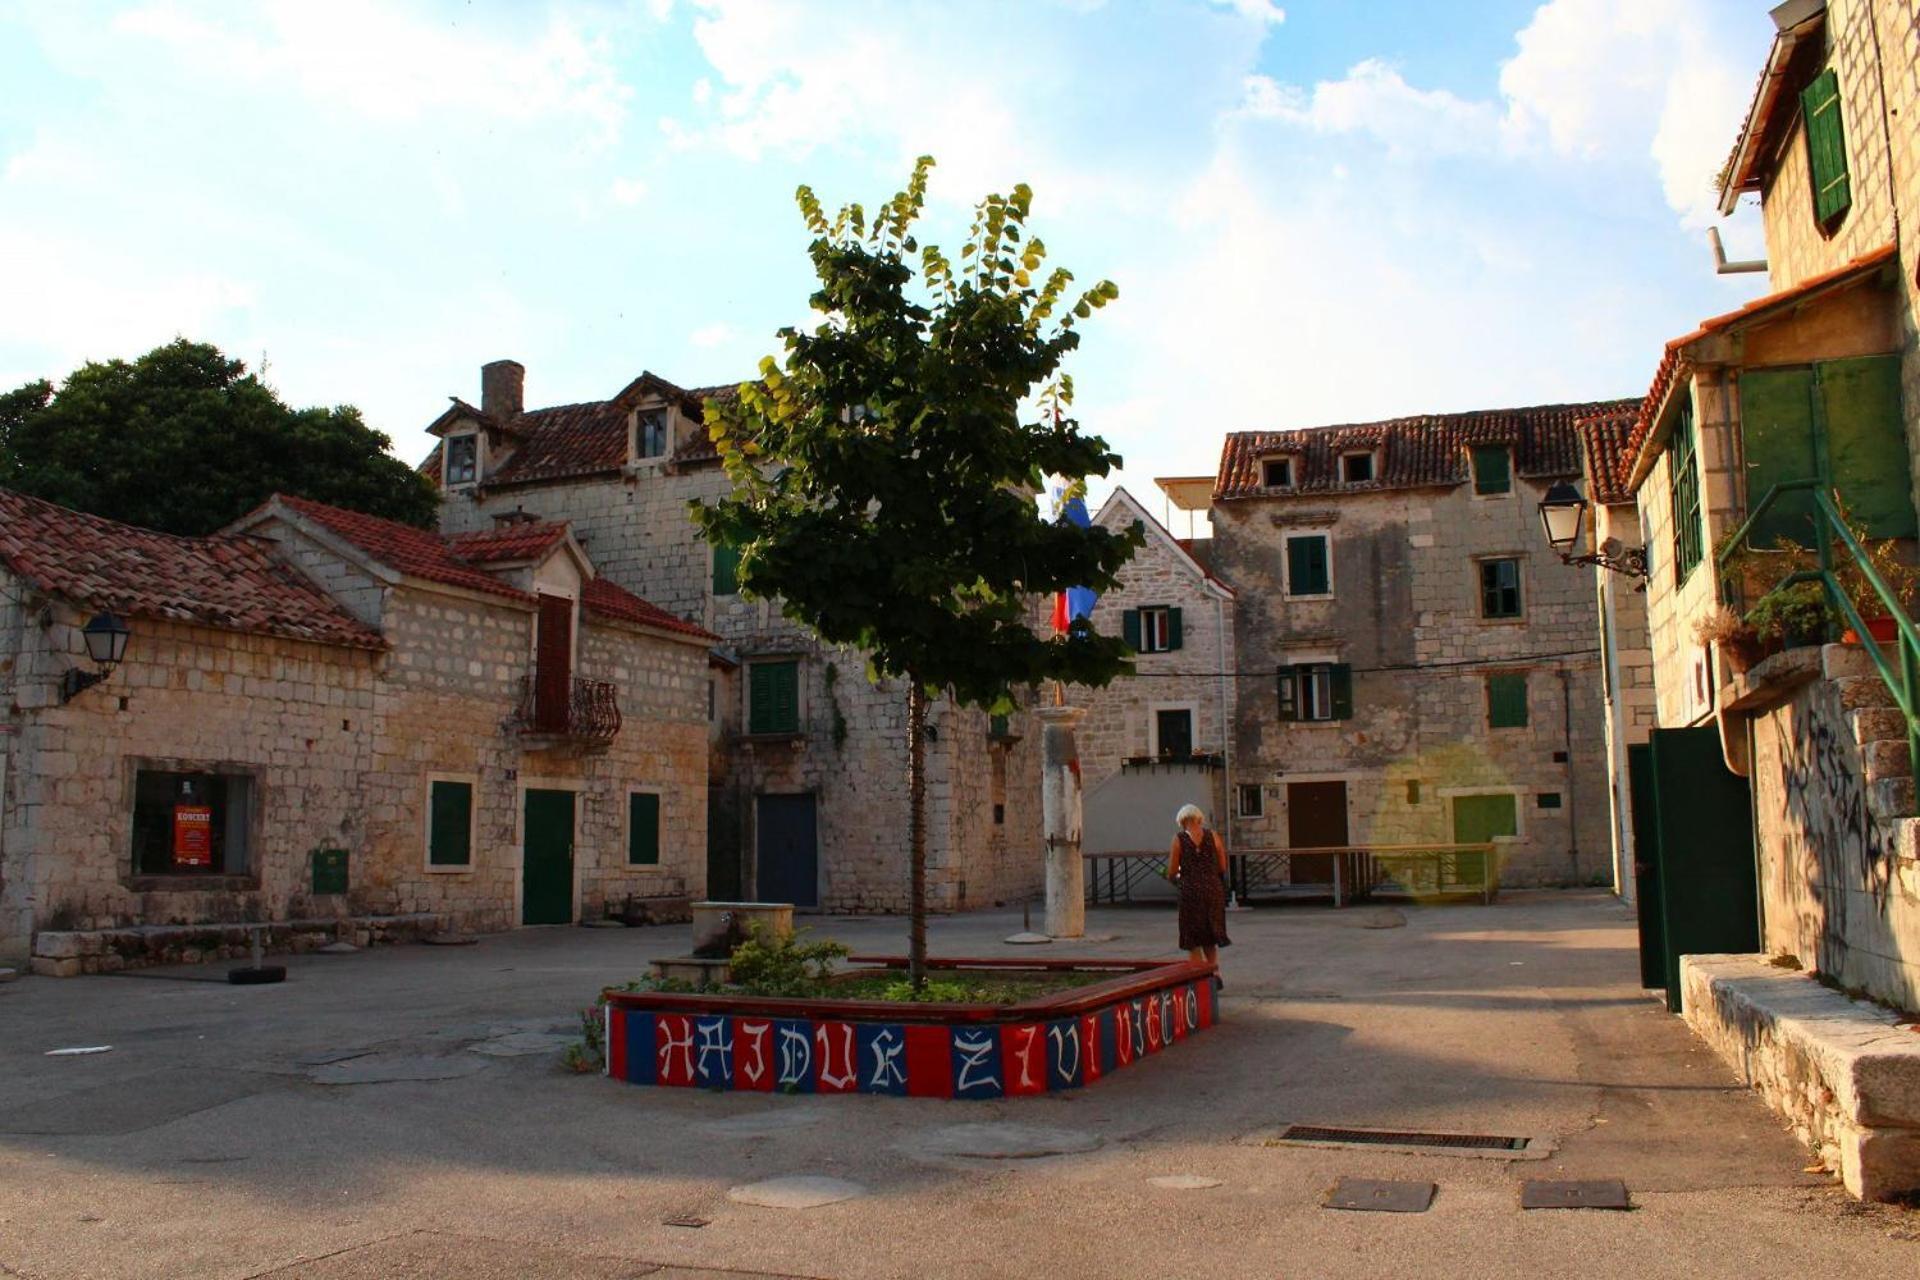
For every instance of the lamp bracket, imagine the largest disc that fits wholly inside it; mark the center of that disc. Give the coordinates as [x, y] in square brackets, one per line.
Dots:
[1629, 561]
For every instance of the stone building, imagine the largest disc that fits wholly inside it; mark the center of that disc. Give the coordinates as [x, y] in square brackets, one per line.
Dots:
[1413, 663]
[324, 721]
[808, 796]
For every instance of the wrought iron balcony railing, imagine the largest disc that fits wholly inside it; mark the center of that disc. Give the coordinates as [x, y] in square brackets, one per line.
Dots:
[589, 714]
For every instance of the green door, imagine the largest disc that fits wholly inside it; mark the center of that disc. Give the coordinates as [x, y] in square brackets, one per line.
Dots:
[546, 894]
[1646, 867]
[1703, 832]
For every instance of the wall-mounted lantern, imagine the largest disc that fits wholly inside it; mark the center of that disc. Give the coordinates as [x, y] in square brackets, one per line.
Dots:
[106, 636]
[1563, 514]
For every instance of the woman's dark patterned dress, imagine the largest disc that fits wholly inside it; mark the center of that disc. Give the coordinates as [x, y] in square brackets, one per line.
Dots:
[1203, 894]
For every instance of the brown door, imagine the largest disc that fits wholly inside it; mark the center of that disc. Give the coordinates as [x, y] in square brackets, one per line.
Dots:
[553, 665]
[1316, 819]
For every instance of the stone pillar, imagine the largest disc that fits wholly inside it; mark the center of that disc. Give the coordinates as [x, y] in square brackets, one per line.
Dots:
[1060, 809]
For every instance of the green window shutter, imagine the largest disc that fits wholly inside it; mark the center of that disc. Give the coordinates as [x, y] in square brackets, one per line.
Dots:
[1492, 472]
[1866, 442]
[1307, 566]
[726, 570]
[1130, 629]
[1340, 681]
[1173, 629]
[1480, 819]
[1507, 701]
[450, 809]
[786, 707]
[1778, 438]
[643, 829]
[1826, 147]
[1683, 491]
[1287, 681]
[773, 700]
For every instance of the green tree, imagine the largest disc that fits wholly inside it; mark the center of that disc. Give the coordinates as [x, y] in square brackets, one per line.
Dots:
[885, 472]
[185, 439]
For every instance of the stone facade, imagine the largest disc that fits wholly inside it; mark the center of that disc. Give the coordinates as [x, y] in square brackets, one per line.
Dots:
[1626, 680]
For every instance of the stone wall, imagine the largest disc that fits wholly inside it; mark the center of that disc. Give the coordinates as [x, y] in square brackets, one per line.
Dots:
[1405, 616]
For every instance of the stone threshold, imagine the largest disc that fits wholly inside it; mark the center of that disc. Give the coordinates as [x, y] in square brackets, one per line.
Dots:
[69, 953]
[1844, 1072]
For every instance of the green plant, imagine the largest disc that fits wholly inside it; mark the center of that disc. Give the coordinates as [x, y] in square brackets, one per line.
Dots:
[933, 992]
[764, 965]
[1796, 613]
[589, 1053]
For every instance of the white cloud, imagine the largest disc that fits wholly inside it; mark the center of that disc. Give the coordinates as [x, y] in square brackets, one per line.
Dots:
[628, 191]
[1264, 11]
[1375, 99]
[709, 336]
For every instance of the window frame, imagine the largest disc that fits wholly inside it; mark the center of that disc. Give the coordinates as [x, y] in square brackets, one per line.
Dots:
[1286, 460]
[1241, 790]
[1473, 467]
[1287, 539]
[1372, 457]
[1156, 629]
[660, 828]
[756, 665]
[1156, 710]
[470, 439]
[1293, 681]
[1519, 588]
[249, 825]
[471, 782]
[640, 419]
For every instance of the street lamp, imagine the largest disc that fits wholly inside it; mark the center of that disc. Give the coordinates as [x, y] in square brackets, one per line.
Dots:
[1563, 514]
[106, 639]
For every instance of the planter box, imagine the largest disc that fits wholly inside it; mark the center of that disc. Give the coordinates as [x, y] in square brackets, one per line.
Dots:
[1060, 1041]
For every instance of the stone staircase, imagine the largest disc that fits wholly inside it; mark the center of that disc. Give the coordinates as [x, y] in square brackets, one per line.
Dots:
[1880, 733]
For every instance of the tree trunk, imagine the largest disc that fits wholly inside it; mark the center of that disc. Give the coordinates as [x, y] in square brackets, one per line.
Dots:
[917, 831]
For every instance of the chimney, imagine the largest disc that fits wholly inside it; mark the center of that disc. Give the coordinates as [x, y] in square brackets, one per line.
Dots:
[502, 384]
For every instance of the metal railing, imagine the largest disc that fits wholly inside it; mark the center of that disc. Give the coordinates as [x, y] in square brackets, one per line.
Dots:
[1829, 528]
[590, 715]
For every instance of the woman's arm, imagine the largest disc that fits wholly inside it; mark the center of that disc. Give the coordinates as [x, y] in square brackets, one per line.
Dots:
[1173, 860]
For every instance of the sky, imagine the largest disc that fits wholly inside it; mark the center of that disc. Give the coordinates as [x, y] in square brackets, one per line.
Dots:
[1316, 212]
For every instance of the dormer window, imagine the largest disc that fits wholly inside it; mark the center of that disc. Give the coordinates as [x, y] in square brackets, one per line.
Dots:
[1276, 473]
[650, 434]
[463, 460]
[1356, 468]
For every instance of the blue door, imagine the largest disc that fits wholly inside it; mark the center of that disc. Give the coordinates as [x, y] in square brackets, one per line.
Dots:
[787, 851]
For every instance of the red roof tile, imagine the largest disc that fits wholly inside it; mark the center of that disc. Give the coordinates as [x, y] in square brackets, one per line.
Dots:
[226, 581]
[1603, 439]
[420, 553]
[1417, 452]
[612, 601]
[522, 540]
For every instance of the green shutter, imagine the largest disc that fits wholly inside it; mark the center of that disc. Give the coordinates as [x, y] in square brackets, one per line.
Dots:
[1777, 435]
[1287, 682]
[1866, 442]
[1507, 701]
[643, 829]
[450, 839]
[1340, 682]
[1130, 629]
[1173, 629]
[1307, 566]
[1826, 147]
[726, 570]
[1683, 492]
[1479, 819]
[1491, 470]
[773, 698]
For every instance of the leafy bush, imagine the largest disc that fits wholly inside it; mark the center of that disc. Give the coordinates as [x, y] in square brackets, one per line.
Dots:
[789, 966]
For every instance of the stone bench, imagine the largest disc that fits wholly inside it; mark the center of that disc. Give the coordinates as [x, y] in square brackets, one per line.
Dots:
[68, 953]
[1846, 1073]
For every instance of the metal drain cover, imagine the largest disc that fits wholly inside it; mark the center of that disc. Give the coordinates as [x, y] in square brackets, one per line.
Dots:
[1377, 1196]
[1598, 1193]
[1401, 1138]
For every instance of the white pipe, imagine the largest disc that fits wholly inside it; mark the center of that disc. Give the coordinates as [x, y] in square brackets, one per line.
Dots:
[1720, 264]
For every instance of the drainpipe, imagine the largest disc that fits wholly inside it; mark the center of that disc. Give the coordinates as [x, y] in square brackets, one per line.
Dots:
[1573, 800]
[1720, 264]
[1226, 723]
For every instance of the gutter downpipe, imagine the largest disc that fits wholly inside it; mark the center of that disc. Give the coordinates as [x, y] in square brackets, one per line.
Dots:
[1226, 722]
[1724, 268]
[1573, 797]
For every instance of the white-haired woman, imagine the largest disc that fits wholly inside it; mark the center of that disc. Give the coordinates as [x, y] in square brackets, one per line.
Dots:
[1198, 864]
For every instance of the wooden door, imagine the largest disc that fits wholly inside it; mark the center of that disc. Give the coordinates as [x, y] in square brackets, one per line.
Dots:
[787, 851]
[546, 882]
[553, 665]
[1703, 824]
[1316, 819]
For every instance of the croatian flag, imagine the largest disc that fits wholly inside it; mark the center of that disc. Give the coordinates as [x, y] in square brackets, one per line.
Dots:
[1074, 602]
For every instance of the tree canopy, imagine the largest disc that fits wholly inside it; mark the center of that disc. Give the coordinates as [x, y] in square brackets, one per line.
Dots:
[184, 439]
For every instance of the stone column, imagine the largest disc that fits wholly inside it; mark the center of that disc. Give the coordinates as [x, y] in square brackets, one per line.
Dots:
[1060, 809]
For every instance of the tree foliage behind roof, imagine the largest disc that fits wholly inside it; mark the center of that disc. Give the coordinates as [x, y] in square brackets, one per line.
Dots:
[185, 440]
[885, 472]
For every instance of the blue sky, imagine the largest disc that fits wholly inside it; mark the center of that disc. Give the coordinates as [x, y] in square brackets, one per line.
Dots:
[1340, 211]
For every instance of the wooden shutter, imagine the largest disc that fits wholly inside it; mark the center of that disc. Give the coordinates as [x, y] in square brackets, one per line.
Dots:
[553, 664]
[1479, 819]
[1287, 681]
[1777, 435]
[1340, 683]
[1130, 629]
[1491, 472]
[1307, 566]
[450, 829]
[773, 704]
[726, 570]
[1173, 629]
[1826, 147]
[1507, 701]
[643, 828]
[786, 696]
[1866, 442]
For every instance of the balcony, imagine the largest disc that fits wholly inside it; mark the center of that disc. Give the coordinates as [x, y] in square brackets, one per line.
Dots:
[587, 718]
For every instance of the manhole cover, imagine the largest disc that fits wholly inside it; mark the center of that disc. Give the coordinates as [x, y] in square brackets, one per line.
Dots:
[1598, 1193]
[1376, 1196]
[1401, 1138]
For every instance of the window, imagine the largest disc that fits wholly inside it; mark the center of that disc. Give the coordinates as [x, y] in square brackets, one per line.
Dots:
[1316, 691]
[713, 700]
[1173, 733]
[463, 459]
[726, 570]
[191, 823]
[1413, 791]
[650, 434]
[1356, 468]
[1154, 630]
[1547, 800]
[1826, 148]
[1276, 473]
[643, 828]
[449, 823]
[1249, 800]
[773, 697]
[1500, 588]
[1683, 485]
[1507, 700]
[1483, 819]
[1492, 470]
[1309, 571]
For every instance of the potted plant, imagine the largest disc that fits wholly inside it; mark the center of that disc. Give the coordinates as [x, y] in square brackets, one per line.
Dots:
[1791, 617]
[1739, 643]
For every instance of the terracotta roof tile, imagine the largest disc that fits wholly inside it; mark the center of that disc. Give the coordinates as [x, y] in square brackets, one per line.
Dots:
[613, 601]
[420, 553]
[227, 581]
[522, 540]
[1416, 452]
[1603, 439]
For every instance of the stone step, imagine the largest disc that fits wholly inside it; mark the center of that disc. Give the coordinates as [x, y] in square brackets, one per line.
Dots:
[1890, 798]
[1838, 661]
[1886, 758]
[1863, 691]
[1876, 724]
